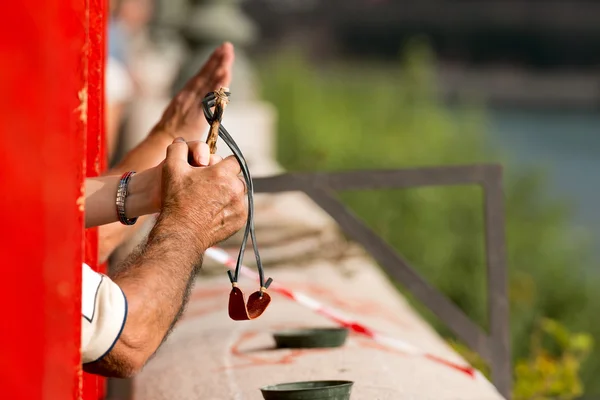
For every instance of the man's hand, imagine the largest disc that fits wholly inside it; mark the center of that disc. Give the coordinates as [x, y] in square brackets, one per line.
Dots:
[184, 116]
[212, 199]
[200, 207]
[198, 156]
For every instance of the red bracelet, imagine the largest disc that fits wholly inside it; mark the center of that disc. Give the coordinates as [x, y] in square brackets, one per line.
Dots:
[122, 193]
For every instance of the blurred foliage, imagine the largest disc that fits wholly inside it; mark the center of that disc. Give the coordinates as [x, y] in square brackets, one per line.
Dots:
[340, 117]
[552, 369]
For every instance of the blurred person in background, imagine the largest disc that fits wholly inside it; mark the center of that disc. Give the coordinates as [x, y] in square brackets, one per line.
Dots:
[119, 92]
[127, 36]
[127, 27]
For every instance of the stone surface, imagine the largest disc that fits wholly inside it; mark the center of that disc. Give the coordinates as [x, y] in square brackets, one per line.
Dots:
[209, 356]
[291, 238]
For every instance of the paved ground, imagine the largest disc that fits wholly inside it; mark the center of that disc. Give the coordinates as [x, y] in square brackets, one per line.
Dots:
[210, 357]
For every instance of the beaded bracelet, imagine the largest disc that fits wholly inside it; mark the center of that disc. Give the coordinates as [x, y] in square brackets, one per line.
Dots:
[122, 193]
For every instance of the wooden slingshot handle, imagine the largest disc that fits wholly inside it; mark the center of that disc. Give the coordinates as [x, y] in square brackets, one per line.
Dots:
[221, 101]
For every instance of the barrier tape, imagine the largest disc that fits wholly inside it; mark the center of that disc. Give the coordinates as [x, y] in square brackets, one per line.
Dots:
[221, 256]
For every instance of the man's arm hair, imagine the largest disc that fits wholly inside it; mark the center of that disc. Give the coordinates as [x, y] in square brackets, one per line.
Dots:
[156, 280]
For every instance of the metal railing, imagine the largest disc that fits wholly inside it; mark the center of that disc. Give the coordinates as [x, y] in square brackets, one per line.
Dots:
[494, 346]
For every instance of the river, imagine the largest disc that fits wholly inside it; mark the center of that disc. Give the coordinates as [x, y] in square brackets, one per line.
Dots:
[567, 144]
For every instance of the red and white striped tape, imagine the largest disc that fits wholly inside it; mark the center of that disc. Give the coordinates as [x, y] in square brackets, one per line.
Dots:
[221, 256]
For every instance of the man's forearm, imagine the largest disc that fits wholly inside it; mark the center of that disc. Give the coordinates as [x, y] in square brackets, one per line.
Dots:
[156, 281]
[100, 194]
[146, 155]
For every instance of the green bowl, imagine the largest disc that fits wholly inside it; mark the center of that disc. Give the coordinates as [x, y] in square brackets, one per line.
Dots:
[311, 390]
[311, 338]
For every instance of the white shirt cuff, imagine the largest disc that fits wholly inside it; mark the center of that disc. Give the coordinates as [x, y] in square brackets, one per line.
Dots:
[103, 314]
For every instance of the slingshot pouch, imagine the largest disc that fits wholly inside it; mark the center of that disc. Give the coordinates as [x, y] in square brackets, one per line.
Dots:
[258, 301]
[239, 310]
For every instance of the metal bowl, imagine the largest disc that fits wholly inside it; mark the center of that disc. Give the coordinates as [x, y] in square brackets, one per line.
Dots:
[310, 390]
[311, 338]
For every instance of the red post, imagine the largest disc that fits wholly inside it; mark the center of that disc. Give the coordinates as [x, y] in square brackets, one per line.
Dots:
[42, 127]
[94, 387]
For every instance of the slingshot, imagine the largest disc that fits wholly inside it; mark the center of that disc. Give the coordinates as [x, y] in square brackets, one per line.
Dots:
[259, 300]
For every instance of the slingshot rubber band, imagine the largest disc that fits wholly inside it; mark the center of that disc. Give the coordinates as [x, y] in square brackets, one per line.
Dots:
[258, 301]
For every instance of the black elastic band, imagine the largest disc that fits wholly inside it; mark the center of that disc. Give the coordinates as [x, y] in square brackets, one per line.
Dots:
[207, 103]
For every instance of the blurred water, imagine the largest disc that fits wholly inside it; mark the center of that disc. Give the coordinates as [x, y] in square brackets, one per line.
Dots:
[568, 144]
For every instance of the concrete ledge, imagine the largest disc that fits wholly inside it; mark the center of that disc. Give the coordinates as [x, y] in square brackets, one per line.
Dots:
[208, 356]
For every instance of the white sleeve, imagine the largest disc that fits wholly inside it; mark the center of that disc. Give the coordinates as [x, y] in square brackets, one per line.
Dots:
[103, 314]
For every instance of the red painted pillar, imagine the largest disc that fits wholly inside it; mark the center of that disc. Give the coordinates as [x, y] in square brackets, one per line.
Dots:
[42, 126]
[94, 387]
